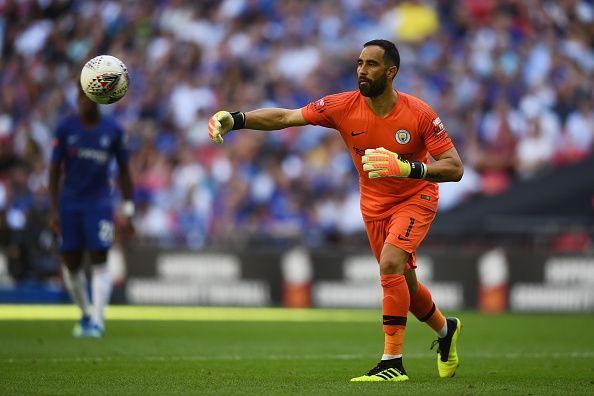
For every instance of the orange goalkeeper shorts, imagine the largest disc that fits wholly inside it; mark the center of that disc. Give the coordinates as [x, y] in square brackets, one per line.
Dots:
[405, 228]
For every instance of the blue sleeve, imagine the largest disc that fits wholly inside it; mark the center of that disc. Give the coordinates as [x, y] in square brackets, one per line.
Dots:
[121, 147]
[59, 144]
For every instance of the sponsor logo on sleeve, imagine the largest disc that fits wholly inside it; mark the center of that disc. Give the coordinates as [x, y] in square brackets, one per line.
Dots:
[438, 126]
[319, 104]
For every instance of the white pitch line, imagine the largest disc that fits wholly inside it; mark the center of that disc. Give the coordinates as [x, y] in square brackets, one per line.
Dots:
[482, 355]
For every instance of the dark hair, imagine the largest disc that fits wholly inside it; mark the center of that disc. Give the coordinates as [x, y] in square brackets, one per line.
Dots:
[391, 53]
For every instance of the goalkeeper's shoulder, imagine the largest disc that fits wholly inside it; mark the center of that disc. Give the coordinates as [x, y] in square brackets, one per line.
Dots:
[338, 102]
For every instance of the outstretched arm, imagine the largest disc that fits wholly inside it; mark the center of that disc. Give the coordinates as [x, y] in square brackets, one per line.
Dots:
[269, 119]
[273, 119]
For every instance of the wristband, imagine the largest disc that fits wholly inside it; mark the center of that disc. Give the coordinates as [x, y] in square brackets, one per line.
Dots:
[418, 170]
[128, 208]
[238, 120]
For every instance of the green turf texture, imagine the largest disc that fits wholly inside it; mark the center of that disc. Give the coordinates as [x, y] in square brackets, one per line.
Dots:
[311, 352]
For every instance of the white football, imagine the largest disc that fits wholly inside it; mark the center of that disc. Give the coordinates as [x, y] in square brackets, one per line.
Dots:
[104, 79]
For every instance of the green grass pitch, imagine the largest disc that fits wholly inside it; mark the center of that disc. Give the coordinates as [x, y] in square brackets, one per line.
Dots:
[223, 351]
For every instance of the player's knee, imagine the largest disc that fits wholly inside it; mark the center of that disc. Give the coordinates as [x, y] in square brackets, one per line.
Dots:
[391, 265]
[393, 260]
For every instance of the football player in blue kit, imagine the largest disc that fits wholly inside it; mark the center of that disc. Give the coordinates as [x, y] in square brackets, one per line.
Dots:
[81, 207]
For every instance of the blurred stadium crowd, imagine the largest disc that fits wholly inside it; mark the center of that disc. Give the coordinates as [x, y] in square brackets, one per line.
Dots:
[512, 80]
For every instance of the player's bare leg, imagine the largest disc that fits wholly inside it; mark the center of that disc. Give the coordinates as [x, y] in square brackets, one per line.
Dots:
[100, 288]
[75, 281]
[423, 307]
[395, 305]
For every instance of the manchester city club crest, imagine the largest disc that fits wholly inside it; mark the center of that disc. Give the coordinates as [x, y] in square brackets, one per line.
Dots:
[402, 136]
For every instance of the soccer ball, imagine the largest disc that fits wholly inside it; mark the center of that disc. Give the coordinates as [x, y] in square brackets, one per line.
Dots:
[104, 79]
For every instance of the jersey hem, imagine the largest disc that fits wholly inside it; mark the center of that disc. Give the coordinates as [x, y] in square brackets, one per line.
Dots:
[411, 200]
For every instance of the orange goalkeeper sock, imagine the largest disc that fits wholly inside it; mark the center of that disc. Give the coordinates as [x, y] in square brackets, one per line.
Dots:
[395, 306]
[423, 307]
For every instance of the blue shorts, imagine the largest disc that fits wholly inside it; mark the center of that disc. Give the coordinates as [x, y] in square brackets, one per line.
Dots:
[86, 229]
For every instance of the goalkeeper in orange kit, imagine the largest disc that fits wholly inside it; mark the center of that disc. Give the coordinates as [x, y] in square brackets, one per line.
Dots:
[390, 136]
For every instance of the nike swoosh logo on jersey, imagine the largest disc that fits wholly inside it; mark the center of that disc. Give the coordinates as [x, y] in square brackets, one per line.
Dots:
[402, 238]
[353, 133]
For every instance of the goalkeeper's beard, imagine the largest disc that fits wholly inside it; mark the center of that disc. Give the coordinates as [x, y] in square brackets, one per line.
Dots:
[373, 88]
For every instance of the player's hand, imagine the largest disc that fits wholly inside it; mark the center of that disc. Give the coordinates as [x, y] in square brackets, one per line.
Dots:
[220, 124]
[54, 222]
[380, 162]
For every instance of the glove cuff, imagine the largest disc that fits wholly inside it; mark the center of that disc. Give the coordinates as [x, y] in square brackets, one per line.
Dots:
[238, 120]
[418, 170]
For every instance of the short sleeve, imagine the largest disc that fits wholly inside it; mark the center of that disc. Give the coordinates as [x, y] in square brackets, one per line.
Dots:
[326, 112]
[59, 144]
[434, 134]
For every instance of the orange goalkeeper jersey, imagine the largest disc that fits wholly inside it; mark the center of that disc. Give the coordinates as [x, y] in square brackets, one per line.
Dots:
[412, 129]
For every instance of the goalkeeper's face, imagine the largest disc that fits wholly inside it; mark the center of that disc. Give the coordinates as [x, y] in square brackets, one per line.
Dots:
[372, 88]
[373, 74]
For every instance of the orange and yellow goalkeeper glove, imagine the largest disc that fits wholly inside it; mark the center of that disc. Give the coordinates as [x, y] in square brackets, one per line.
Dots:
[384, 163]
[223, 122]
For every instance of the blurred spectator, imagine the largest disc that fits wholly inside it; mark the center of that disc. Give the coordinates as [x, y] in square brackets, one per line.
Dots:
[578, 134]
[512, 80]
[534, 151]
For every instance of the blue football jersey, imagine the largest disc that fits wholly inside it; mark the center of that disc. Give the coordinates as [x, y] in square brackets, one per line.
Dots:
[87, 155]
